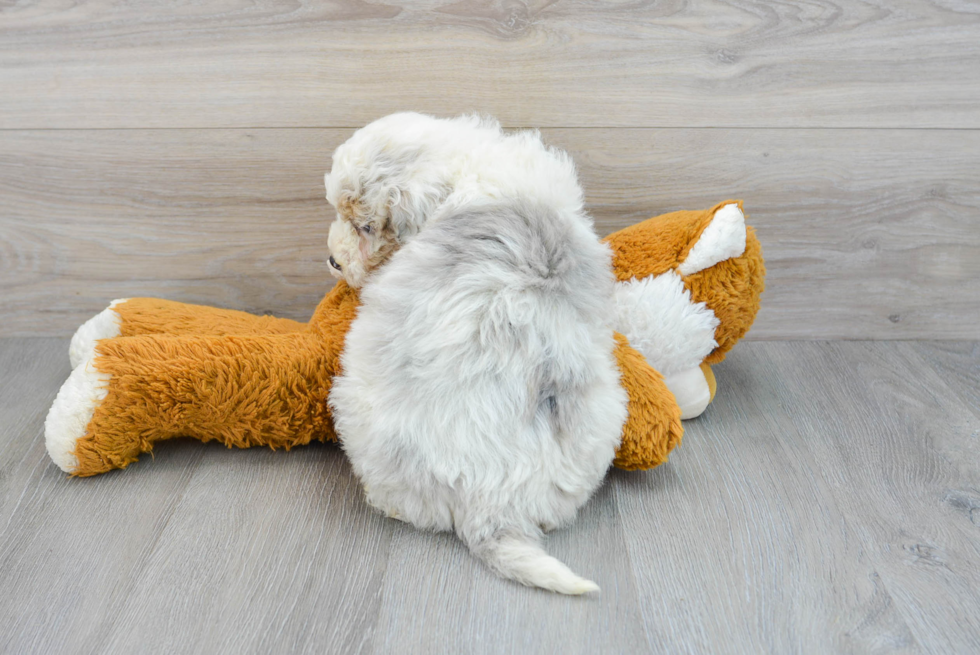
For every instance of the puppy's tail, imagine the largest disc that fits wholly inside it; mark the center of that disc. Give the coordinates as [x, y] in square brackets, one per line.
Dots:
[519, 557]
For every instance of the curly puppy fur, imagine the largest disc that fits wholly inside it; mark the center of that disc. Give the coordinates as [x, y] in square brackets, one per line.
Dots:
[479, 390]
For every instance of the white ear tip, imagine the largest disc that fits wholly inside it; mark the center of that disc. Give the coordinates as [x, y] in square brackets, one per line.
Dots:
[723, 239]
[730, 210]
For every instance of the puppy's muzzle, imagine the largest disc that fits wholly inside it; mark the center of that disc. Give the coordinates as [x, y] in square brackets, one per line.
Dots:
[333, 262]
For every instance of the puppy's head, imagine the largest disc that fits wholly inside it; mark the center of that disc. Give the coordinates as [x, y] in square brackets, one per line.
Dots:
[385, 182]
[361, 238]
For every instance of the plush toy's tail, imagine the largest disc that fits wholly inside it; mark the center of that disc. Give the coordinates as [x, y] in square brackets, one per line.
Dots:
[519, 557]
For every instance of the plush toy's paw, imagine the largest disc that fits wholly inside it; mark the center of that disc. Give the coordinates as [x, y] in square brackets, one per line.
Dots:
[104, 325]
[693, 389]
[71, 412]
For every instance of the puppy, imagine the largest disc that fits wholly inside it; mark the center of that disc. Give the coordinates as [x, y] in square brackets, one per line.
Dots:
[479, 390]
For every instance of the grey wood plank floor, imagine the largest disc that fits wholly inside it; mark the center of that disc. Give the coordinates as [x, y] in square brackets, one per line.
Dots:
[828, 501]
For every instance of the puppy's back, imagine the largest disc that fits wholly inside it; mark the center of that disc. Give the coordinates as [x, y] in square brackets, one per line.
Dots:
[485, 349]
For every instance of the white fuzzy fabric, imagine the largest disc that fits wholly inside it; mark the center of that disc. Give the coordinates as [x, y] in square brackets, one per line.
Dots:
[104, 325]
[71, 412]
[723, 239]
[691, 391]
[658, 317]
[480, 392]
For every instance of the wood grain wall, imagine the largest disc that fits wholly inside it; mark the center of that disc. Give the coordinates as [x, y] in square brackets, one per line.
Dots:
[178, 149]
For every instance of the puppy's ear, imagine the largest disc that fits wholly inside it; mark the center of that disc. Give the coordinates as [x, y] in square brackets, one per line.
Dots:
[401, 216]
[410, 208]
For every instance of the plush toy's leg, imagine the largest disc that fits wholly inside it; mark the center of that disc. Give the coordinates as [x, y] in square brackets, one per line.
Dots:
[135, 316]
[653, 425]
[266, 390]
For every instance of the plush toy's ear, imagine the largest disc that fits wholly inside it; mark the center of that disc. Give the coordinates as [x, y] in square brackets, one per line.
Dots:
[722, 239]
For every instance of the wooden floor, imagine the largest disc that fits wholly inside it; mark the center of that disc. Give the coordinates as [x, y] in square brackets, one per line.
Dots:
[828, 501]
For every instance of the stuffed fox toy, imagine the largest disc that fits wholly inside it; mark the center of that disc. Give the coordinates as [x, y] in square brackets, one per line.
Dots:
[146, 370]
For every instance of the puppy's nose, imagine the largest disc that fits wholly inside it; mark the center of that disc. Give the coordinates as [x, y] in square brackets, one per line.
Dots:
[333, 262]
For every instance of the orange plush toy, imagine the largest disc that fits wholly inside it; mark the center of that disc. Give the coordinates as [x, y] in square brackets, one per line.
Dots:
[147, 370]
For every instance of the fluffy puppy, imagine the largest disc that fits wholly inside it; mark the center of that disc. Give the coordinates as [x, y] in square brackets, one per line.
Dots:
[479, 390]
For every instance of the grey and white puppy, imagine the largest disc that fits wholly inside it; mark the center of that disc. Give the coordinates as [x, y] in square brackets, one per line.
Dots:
[479, 390]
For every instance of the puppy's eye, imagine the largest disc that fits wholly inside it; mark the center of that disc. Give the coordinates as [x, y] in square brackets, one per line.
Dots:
[366, 229]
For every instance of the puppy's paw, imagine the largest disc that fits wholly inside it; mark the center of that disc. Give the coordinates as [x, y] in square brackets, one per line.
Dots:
[104, 325]
[382, 505]
[71, 412]
[395, 514]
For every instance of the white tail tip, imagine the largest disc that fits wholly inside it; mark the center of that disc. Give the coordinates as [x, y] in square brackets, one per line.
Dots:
[521, 558]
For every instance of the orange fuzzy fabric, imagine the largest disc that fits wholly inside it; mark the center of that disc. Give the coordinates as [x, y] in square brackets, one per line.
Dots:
[156, 316]
[653, 425]
[244, 380]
